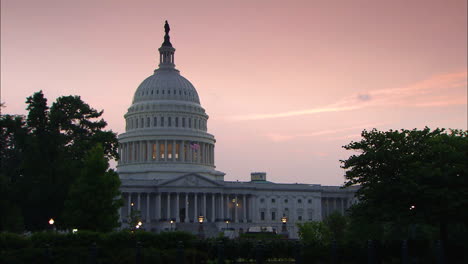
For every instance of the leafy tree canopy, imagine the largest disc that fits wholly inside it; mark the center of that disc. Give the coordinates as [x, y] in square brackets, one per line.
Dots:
[43, 153]
[92, 202]
[410, 176]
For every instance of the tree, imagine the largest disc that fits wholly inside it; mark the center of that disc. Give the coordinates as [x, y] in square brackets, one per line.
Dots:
[42, 154]
[336, 224]
[94, 201]
[410, 177]
[12, 136]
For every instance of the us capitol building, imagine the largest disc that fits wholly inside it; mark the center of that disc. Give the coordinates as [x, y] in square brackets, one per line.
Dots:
[168, 171]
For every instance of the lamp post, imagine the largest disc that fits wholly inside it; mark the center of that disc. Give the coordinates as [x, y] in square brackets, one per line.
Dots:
[284, 229]
[51, 223]
[172, 222]
[227, 224]
[201, 234]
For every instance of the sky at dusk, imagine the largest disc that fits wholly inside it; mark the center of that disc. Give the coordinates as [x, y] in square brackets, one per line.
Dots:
[286, 83]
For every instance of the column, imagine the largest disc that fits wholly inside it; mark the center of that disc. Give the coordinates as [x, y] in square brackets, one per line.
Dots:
[198, 154]
[228, 214]
[142, 151]
[177, 208]
[186, 207]
[181, 150]
[213, 215]
[157, 209]
[165, 150]
[235, 209]
[189, 152]
[221, 196]
[129, 203]
[168, 206]
[244, 205]
[157, 149]
[173, 150]
[195, 209]
[204, 205]
[148, 208]
[139, 201]
[120, 152]
[149, 151]
[213, 155]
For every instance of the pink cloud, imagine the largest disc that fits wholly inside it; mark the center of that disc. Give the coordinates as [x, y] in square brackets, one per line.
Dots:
[420, 94]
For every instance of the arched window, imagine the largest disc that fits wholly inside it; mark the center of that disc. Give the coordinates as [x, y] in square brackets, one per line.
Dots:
[177, 122]
[190, 122]
[183, 121]
[147, 122]
[162, 121]
[155, 121]
[169, 120]
[136, 122]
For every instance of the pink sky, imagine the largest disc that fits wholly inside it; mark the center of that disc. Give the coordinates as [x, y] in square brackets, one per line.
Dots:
[286, 83]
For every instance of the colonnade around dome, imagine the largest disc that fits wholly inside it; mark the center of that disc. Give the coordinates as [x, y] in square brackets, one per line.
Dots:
[157, 151]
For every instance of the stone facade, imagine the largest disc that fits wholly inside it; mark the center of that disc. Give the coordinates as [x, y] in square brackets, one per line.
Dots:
[167, 168]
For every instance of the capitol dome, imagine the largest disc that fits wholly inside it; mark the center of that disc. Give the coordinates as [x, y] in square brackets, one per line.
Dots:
[166, 133]
[166, 84]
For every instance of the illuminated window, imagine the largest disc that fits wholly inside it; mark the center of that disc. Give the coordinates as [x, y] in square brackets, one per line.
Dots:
[177, 146]
[161, 151]
[154, 151]
[169, 150]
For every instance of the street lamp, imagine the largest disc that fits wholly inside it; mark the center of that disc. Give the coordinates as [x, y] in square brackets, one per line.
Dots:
[172, 222]
[51, 223]
[227, 223]
[284, 229]
[201, 234]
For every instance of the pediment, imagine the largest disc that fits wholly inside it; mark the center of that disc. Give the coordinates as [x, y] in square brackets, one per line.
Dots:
[191, 180]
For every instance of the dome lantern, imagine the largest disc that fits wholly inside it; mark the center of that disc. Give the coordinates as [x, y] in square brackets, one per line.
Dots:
[166, 51]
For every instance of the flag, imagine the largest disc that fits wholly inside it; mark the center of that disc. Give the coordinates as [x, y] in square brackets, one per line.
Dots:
[194, 145]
